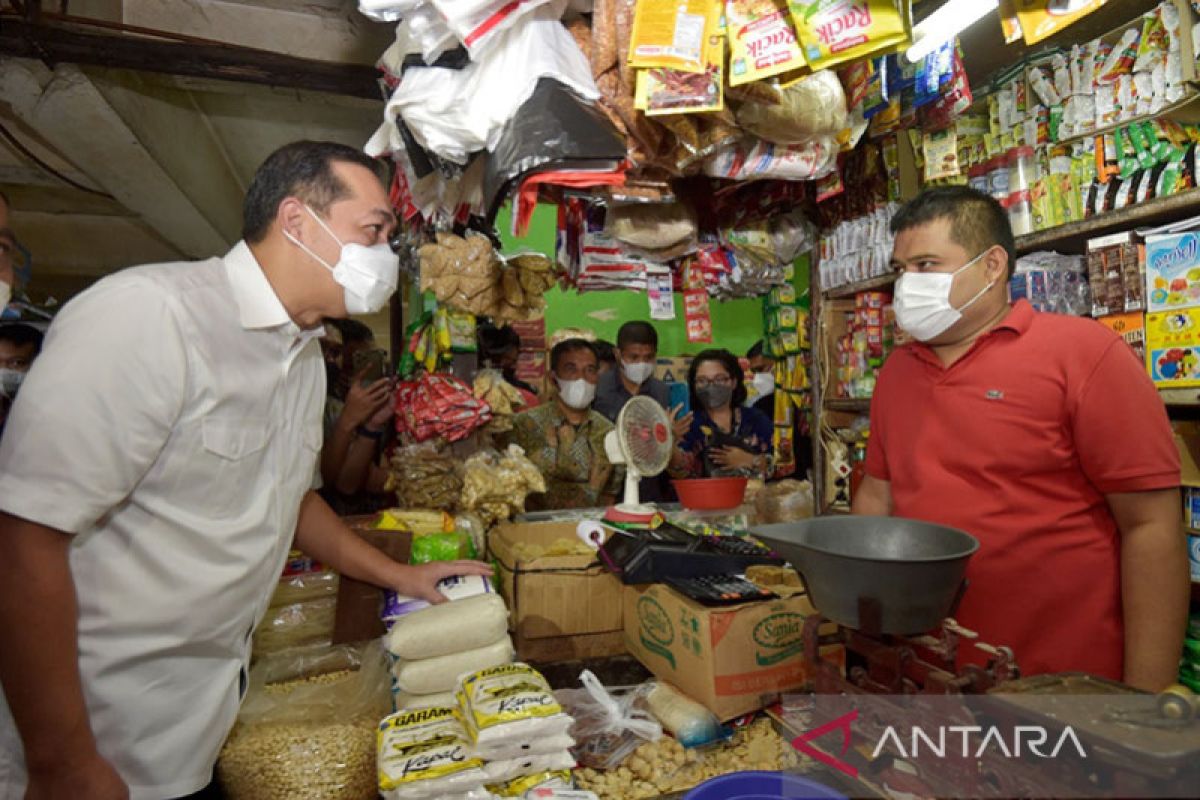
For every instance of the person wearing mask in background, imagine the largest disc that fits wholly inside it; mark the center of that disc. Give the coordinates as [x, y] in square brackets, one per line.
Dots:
[762, 380]
[19, 346]
[1042, 436]
[500, 349]
[726, 438]
[564, 436]
[607, 354]
[146, 513]
[637, 358]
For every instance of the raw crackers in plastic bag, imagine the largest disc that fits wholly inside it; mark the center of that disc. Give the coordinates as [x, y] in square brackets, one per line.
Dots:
[672, 35]
[832, 32]
[426, 754]
[762, 42]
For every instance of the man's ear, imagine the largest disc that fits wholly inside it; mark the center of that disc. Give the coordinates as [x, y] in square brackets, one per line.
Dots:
[997, 265]
[290, 216]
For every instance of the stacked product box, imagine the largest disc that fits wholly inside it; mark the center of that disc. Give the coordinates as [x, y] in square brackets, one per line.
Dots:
[1172, 284]
[866, 343]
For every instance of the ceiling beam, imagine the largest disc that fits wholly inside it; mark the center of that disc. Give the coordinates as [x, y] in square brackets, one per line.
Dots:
[60, 44]
[115, 159]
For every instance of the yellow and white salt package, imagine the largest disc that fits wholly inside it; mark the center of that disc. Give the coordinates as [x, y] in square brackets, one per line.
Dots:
[427, 754]
[511, 712]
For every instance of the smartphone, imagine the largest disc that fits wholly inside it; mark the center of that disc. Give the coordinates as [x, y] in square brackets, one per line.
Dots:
[374, 362]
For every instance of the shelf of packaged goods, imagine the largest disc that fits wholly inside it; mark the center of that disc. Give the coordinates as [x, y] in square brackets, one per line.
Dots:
[851, 289]
[1180, 397]
[1186, 110]
[1073, 236]
[860, 405]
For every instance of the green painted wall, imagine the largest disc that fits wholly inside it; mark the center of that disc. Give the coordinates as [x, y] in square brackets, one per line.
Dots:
[737, 324]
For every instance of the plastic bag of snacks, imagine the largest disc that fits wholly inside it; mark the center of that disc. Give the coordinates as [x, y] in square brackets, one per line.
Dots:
[762, 42]
[672, 35]
[423, 478]
[608, 725]
[810, 108]
[426, 754]
[307, 726]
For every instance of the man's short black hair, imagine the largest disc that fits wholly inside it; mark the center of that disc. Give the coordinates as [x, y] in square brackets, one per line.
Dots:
[496, 341]
[605, 352]
[727, 360]
[567, 346]
[755, 350]
[637, 332]
[354, 331]
[22, 335]
[977, 220]
[301, 169]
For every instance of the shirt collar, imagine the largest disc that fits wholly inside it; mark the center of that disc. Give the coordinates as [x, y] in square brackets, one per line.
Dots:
[258, 305]
[1017, 321]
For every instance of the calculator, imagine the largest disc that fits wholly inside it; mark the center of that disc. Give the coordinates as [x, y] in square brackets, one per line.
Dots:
[719, 590]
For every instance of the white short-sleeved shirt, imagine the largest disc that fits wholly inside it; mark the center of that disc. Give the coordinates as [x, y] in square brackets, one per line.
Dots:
[173, 424]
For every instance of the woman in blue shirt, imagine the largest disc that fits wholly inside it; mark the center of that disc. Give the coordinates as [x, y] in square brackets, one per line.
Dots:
[726, 439]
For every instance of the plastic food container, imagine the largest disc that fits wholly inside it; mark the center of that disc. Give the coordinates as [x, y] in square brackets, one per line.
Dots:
[977, 178]
[997, 174]
[711, 494]
[1021, 166]
[1020, 212]
[762, 786]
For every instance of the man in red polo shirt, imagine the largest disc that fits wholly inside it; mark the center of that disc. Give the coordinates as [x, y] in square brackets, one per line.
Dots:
[1043, 437]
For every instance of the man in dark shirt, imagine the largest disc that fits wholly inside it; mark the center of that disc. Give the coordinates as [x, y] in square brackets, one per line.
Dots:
[637, 355]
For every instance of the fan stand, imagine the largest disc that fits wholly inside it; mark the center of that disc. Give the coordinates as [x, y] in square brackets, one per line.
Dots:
[632, 511]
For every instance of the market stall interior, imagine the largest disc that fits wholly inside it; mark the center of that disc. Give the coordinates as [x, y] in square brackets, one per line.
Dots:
[659, 323]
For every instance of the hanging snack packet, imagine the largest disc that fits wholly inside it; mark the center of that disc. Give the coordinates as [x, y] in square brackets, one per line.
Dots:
[1120, 61]
[672, 35]
[832, 32]
[762, 42]
[1040, 19]
[672, 91]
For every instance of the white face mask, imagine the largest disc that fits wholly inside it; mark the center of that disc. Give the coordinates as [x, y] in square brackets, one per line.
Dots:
[577, 394]
[638, 373]
[763, 383]
[922, 301]
[5, 295]
[10, 381]
[368, 275]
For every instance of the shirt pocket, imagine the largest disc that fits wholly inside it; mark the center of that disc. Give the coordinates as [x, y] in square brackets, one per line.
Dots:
[233, 440]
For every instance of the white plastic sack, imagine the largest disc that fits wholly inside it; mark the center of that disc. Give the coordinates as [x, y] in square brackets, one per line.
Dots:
[757, 159]
[413, 702]
[813, 106]
[455, 113]
[450, 627]
[433, 675]
[479, 24]
[387, 10]
[504, 771]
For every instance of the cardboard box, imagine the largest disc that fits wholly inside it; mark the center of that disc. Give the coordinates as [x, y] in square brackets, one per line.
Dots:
[1130, 327]
[732, 659]
[1173, 348]
[560, 607]
[1172, 271]
[356, 618]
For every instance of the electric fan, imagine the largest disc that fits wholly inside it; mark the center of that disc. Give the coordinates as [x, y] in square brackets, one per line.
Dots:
[641, 441]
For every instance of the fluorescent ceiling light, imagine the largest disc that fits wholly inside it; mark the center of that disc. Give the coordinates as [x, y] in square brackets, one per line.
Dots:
[954, 17]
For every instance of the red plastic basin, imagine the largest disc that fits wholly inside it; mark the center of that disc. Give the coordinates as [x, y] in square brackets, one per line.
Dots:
[711, 494]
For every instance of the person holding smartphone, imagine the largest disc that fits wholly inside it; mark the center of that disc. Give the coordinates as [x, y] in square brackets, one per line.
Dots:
[726, 439]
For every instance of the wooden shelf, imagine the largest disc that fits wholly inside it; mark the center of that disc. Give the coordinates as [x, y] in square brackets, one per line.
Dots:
[1180, 397]
[858, 405]
[851, 289]
[1073, 236]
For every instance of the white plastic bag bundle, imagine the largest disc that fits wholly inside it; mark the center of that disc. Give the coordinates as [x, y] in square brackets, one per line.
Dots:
[440, 674]
[414, 702]
[455, 113]
[813, 106]
[387, 10]
[449, 628]
[512, 709]
[427, 754]
[609, 726]
[756, 159]
[504, 771]
[479, 24]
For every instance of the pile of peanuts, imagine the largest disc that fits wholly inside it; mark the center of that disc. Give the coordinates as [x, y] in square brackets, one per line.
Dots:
[315, 761]
[666, 766]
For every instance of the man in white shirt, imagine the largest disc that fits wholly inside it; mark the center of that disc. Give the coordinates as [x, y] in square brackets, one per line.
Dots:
[160, 459]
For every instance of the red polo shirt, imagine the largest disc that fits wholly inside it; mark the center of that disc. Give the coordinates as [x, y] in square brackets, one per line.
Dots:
[1017, 443]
